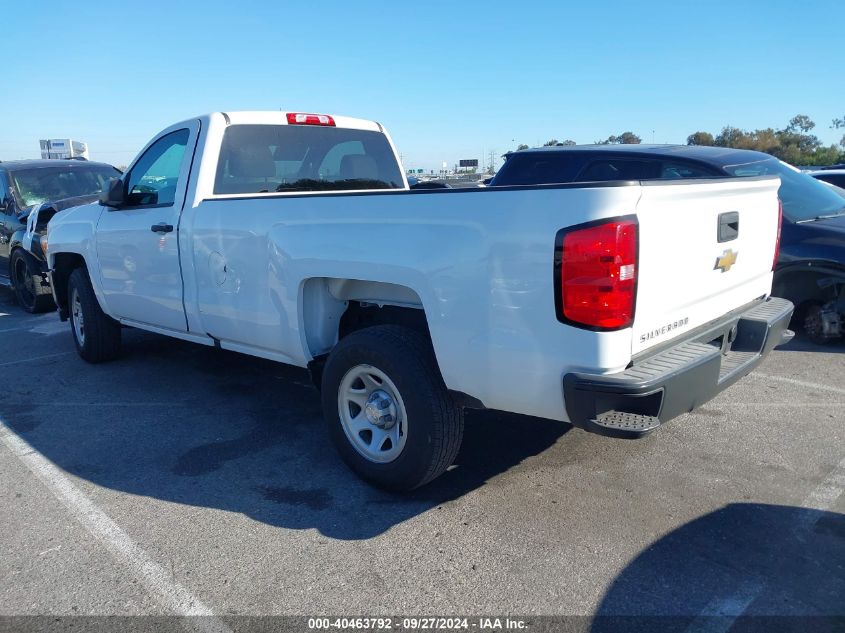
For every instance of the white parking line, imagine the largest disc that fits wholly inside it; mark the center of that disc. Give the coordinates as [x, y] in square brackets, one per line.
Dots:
[827, 492]
[800, 383]
[170, 595]
[27, 360]
[733, 606]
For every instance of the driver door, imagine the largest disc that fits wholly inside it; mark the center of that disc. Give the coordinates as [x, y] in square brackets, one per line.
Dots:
[137, 243]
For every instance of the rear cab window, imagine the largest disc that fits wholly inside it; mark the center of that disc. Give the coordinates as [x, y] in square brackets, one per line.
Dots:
[262, 158]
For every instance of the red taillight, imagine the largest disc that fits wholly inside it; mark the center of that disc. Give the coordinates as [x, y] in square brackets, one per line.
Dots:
[300, 118]
[777, 240]
[598, 274]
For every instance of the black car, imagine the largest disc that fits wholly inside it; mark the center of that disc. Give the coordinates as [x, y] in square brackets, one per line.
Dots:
[832, 176]
[50, 185]
[810, 270]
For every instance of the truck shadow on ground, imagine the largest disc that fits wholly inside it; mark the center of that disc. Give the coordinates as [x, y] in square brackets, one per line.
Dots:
[802, 344]
[194, 425]
[745, 567]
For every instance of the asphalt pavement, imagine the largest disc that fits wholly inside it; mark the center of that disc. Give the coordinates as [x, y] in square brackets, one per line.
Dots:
[185, 479]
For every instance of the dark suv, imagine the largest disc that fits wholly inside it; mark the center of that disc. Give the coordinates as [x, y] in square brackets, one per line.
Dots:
[810, 271]
[25, 185]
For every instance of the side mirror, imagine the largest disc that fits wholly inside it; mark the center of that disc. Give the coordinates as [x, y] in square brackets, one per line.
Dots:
[113, 195]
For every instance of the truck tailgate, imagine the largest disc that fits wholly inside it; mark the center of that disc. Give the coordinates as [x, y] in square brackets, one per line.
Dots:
[706, 248]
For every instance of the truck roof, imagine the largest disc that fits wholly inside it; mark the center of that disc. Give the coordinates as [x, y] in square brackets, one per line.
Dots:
[31, 163]
[707, 153]
[276, 117]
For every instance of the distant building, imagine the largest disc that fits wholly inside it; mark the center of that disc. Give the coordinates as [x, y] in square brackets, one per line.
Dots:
[63, 148]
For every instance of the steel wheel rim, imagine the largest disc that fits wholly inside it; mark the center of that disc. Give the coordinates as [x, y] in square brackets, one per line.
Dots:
[77, 318]
[24, 283]
[364, 393]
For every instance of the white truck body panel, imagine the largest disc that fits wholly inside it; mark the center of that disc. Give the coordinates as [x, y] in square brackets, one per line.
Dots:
[264, 273]
[677, 280]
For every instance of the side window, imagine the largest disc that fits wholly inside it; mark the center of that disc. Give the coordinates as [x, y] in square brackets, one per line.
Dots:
[154, 177]
[539, 168]
[835, 179]
[621, 169]
[674, 171]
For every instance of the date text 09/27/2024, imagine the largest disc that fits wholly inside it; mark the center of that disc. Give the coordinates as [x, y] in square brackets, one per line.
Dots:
[417, 623]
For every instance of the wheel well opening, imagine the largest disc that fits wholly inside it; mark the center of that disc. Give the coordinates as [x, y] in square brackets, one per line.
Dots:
[63, 265]
[333, 308]
[360, 315]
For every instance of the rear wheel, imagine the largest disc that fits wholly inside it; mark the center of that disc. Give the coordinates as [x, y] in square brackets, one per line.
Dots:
[388, 411]
[811, 323]
[97, 335]
[27, 285]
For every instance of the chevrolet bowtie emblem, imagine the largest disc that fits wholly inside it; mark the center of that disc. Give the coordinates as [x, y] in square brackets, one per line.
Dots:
[725, 262]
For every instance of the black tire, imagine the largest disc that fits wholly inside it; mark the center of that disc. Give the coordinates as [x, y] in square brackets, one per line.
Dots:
[28, 290]
[434, 422]
[99, 339]
[811, 323]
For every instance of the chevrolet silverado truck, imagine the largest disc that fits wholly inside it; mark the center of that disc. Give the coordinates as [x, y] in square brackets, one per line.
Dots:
[613, 306]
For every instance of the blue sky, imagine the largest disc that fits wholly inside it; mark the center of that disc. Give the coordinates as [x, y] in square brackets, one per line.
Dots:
[450, 80]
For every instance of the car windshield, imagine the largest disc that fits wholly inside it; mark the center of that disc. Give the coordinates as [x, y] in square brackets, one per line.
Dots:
[804, 198]
[44, 184]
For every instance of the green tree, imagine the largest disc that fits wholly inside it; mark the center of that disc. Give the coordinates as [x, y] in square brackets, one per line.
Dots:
[837, 124]
[522, 146]
[800, 122]
[700, 138]
[568, 142]
[731, 137]
[793, 144]
[626, 138]
[629, 138]
[551, 143]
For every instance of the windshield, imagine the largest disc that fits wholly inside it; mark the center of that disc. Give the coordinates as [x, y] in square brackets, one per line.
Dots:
[804, 198]
[45, 184]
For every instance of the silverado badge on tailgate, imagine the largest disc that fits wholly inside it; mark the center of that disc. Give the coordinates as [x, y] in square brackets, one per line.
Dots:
[725, 262]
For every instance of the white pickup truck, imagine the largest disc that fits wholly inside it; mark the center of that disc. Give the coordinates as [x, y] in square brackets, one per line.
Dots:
[613, 306]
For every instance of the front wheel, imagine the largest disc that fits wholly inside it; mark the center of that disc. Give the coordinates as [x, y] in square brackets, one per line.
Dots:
[97, 335]
[388, 412]
[27, 286]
